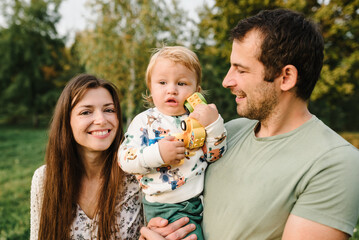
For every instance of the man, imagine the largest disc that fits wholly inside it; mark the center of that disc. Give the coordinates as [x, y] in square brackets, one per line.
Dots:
[285, 175]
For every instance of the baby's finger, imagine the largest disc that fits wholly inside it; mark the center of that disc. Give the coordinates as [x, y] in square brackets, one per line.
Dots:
[180, 156]
[169, 138]
[194, 115]
[179, 144]
[213, 106]
[180, 149]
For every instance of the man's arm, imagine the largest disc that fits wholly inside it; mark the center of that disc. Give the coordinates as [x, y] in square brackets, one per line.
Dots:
[298, 228]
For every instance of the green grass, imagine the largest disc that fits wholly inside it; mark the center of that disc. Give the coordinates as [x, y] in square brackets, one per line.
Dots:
[21, 152]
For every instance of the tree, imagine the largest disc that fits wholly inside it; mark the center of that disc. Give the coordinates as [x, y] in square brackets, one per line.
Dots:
[30, 58]
[119, 47]
[334, 99]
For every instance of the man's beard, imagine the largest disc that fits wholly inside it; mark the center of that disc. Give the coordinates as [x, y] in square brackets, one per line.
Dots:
[260, 108]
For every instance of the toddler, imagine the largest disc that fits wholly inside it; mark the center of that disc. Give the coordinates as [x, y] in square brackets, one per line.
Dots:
[171, 176]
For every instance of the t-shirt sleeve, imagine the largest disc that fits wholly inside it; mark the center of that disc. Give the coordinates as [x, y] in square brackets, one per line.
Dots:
[329, 193]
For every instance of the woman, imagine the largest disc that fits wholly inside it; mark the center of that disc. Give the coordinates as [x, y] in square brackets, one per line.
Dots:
[82, 193]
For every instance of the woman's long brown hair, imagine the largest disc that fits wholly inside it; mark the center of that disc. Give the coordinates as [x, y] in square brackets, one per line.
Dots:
[64, 167]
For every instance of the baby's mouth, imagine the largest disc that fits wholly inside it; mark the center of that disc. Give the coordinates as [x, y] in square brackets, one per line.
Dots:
[171, 100]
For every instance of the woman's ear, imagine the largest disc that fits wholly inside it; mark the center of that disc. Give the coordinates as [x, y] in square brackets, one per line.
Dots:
[288, 78]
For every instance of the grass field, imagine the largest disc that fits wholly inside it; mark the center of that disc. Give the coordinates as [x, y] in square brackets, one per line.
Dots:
[21, 152]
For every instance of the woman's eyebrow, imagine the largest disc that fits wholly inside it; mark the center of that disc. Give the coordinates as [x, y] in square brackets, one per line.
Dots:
[89, 105]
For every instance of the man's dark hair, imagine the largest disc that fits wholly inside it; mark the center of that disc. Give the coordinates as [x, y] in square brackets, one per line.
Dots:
[287, 38]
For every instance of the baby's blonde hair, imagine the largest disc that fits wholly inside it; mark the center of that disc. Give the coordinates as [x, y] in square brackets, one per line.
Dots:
[177, 54]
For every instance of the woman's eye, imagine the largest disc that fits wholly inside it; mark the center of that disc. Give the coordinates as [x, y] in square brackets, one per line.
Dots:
[110, 110]
[85, 113]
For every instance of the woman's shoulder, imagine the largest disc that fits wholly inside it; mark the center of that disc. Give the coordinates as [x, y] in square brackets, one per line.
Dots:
[39, 174]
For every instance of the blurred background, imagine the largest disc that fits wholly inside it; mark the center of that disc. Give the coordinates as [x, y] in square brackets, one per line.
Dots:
[44, 43]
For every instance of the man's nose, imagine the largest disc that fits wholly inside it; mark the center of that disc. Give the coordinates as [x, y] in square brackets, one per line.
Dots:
[228, 80]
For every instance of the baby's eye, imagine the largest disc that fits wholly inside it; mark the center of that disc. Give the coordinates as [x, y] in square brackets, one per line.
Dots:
[182, 83]
[162, 82]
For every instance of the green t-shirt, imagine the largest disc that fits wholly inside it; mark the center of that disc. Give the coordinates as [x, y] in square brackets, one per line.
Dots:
[310, 172]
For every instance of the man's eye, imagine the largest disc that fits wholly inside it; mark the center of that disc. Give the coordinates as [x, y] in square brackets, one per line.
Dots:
[240, 71]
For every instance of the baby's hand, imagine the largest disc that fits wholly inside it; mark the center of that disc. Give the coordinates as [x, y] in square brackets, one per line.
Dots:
[205, 114]
[171, 150]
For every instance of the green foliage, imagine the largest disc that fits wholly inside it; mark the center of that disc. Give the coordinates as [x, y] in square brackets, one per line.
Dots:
[119, 47]
[30, 59]
[22, 151]
[339, 85]
[334, 99]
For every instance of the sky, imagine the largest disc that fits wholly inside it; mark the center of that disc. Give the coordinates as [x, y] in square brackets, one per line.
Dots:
[74, 14]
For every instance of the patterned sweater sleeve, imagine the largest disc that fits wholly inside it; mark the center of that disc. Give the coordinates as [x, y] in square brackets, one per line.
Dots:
[216, 142]
[136, 155]
[130, 210]
[37, 192]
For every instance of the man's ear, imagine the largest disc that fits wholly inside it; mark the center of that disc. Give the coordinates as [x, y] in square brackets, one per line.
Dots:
[288, 78]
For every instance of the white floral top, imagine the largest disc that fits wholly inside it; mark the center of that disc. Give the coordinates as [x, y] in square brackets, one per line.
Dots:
[128, 212]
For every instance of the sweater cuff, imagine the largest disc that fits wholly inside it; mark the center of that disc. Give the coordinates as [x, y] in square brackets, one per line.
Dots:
[216, 128]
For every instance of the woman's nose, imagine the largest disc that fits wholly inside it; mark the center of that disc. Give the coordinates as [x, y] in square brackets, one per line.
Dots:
[99, 118]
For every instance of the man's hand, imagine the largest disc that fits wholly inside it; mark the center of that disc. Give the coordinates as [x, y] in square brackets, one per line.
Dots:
[159, 229]
[171, 150]
[205, 114]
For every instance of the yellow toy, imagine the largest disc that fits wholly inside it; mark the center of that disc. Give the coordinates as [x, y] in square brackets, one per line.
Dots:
[194, 134]
[193, 100]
